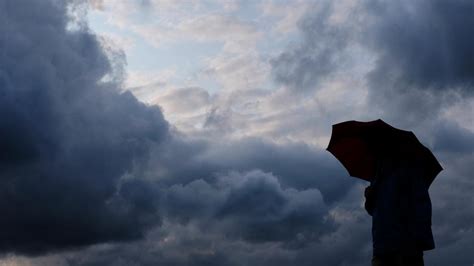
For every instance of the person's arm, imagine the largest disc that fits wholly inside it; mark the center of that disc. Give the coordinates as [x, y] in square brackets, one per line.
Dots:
[369, 200]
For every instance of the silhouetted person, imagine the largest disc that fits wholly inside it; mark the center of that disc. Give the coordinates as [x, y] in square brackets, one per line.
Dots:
[400, 206]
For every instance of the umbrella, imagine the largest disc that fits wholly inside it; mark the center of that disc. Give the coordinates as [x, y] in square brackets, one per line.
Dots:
[358, 145]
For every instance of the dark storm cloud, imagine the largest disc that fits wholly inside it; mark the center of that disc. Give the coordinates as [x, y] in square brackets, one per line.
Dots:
[66, 137]
[425, 55]
[196, 243]
[427, 45]
[251, 206]
[296, 165]
[320, 52]
[452, 199]
[214, 186]
[451, 137]
[452, 204]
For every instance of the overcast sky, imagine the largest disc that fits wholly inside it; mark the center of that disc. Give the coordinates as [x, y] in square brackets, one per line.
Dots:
[189, 132]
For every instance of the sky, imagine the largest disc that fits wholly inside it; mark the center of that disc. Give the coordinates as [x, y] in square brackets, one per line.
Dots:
[193, 132]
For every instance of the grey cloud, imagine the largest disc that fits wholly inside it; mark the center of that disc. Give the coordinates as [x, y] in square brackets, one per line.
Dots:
[320, 52]
[251, 206]
[423, 44]
[296, 165]
[175, 243]
[195, 200]
[453, 211]
[67, 138]
[262, 211]
[424, 53]
[451, 137]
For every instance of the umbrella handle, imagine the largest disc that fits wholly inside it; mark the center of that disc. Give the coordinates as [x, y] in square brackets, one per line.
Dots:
[369, 191]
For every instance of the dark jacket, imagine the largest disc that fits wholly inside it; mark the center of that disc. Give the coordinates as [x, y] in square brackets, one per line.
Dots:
[400, 206]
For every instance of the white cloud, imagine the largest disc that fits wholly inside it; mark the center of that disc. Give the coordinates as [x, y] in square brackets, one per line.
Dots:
[143, 78]
[287, 13]
[204, 28]
[238, 71]
[461, 112]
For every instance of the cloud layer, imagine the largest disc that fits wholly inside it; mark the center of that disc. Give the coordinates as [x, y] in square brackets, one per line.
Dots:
[82, 162]
[70, 143]
[89, 175]
[425, 44]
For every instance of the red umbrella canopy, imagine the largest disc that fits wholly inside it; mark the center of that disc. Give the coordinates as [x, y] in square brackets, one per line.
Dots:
[358, 146]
